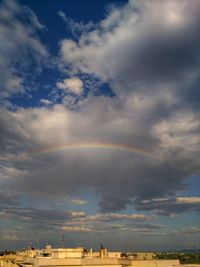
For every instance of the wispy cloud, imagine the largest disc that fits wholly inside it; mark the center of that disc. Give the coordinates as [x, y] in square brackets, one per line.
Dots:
[76, 28]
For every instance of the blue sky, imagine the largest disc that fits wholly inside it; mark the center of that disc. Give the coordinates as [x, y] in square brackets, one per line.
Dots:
[100, 124]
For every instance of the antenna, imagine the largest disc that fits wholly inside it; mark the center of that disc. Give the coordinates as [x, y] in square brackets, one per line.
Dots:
[63, 241]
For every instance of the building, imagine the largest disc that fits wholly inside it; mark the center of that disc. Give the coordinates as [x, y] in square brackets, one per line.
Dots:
[71, 257]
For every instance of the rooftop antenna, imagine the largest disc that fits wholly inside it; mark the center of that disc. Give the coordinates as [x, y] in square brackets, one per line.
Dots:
[37, 243]
[63, 241]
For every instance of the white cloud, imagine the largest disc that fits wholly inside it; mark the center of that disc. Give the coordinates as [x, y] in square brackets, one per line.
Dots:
[180, 133]
[76, 229]
[45, 102]
[78, 202]
[118, 216]
[123, 45]
[18, 32]
[188, 200]
[41, 124]
[74, 84]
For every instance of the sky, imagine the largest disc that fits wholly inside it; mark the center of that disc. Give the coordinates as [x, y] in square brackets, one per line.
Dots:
[100, 124]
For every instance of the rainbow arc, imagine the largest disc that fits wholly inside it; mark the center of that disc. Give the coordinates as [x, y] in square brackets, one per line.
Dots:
[93, 145]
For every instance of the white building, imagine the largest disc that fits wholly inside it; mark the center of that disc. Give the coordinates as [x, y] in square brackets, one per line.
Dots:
[78, 257]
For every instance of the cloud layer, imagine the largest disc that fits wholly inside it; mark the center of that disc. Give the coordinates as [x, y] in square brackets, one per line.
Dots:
[147, 54]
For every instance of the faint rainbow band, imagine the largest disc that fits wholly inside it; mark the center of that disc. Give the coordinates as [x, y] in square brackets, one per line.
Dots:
[93, 145]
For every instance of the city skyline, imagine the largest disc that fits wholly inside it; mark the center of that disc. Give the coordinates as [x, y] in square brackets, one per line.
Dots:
[100, 124]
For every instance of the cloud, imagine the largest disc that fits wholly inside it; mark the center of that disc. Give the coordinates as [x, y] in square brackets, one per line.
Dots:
[135, 44]
[179, 131]
[76, 221]
[8, 198]
[187, 232]
[64, 217]
[136, 177]
[21, 48]
[31, 215]
[76, 229]
[118, 216]
[74, 85]
[10, 235]
[188, 200]
[45, 102]
[76, 28]
[111, 227]
[78, 202]
[150, 60]
[190, 230]
[171, 206]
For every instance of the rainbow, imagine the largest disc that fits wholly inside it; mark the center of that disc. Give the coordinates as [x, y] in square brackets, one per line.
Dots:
[94, 145]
